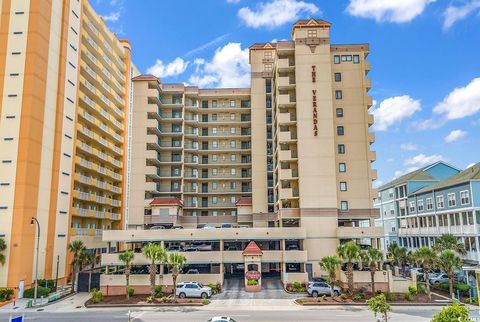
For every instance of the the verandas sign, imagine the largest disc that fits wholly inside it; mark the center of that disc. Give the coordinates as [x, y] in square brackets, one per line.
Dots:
[314, 101]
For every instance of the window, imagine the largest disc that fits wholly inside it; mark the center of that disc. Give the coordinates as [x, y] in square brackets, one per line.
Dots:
[214, 157]
[356, 59]
[440, 202]
[341, 149]
[451, 200]
[214, 104]
[233, 213]
[343, 205]
[214, 171]
[340, 130]
[346, 57]
[338, 77]
[339, 112]
[214, 186]
[233, 171]
[233, 157]
[214, 130]
[232, 103]
[338, 94]
[233, 185]
[214, 144]
[420, 205]
[233, 199]
[412, 206]
[342, 167]
[343, 186]
[336, 59]
[232, 117]
[214, 213]
[267, 67]
[214, 117]
[464, 197]
[214, 200]
[429, 204]
[233, 130]
[312, 33]
[233, 143]
[204, 104]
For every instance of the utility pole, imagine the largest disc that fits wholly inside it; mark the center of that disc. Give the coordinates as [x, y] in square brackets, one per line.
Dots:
[34, 220]
[56, 274]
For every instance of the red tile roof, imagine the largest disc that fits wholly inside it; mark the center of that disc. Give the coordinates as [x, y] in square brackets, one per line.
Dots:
[166, 202]
[312, 22]
[146, 77]
[252, 249]
[244, 202]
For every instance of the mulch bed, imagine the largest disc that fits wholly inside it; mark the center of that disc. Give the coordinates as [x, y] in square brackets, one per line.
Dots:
[141, 300]
[420, 299]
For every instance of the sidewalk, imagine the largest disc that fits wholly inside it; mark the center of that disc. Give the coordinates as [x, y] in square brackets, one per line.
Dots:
[68, 304]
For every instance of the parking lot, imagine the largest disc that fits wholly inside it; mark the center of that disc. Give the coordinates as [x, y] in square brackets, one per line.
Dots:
[272, 288]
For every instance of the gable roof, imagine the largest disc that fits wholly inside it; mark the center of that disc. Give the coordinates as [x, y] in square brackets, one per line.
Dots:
[252, 249]
[419, 174]
[472, 173]
[146, 77]
[312, 23]
[166, 202]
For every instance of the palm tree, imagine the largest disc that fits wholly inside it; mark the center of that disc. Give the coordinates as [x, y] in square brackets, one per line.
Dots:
[374, 256]
[449, 242]
[175, 262]
[155, 254]
[448, 261]
[89, 259]
[3, 246]
[399, 254]
[330, 264]
[350, 254]
[426, 257]
[77, 248]
[127, 258]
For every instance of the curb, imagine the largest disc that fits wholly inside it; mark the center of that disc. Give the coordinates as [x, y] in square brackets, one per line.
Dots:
[90, 306]
[364, 304]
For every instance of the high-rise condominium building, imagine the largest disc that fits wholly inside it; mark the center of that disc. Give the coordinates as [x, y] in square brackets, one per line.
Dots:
[286, 161]
[65, 83]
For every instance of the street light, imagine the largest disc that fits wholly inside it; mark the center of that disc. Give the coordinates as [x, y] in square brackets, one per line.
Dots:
[34, 220]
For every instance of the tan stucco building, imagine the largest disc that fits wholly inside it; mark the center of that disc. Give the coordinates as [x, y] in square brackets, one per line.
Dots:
[65, 84]
[285, 163]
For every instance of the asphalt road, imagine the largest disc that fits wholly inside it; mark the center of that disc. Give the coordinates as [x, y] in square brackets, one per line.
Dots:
[272, 288]
[407, 314]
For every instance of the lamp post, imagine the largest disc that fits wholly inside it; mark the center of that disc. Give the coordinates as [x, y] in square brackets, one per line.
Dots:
[34, 220]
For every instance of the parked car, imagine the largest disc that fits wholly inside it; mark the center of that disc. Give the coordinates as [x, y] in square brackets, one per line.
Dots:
[319, 279]
[174, 248]
[192, 271]
[292, 247]
[226, 226]
[177, 227]
[157, 227]
[203, 246]
[321, 288]
[193, 289]
[440, 278]
[221, 319]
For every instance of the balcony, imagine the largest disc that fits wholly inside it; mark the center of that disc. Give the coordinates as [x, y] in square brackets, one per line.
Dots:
[366, 65]
[286, 136]
[288, 193]
[368, 101]
[286, 82]
[286, 100]
[372, 156]
[159, 219]
[286, 118]
[286, 155]
[370, 119]
[295, 256]
[368, 84]
[285, 64]
[371, 137]
[360, 232]
[287, 174]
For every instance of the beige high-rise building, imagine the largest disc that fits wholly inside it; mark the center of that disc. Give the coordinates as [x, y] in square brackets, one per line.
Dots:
[285, 163]
[65, 84]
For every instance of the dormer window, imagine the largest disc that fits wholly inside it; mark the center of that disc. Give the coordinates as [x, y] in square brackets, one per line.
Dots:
[312, 33]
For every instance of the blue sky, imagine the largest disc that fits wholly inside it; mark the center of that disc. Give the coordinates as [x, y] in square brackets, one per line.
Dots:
[423, 53]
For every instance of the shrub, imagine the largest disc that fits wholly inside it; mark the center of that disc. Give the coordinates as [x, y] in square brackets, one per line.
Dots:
[5, 294]
[379, 305]
[343, 296]
[357, 298]
[412, 290]
[47, 283]
[252, 282]
[219, 287]
[421, 288]
[453, 312]
[97, 296]
[205, 301]
[214, 288]
[443, 286]
[131, 291]
[296, 285]
[463, 288]
[150, 299]
[408, 297]
[42, 292]
[164, 299]
[390, 296]
[158, 291]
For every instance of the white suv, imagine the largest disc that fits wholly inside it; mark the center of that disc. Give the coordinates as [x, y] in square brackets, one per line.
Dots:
[193, 289]
[321, 288]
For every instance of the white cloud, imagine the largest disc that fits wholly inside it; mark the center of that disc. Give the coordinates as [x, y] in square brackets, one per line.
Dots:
[112, 16]
[421, 160]
[229, 67]
[377, 183]
[470, 165]
[400, 173]
[276, 13]
[176, 67]
[206, 45]
[453, 13]
[233, 1]
[388, 10]
[455, 135]
[393, 110]
[408, 147]
[461, 102]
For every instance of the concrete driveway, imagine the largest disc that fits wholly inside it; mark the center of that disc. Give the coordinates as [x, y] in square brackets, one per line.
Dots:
[272, 288]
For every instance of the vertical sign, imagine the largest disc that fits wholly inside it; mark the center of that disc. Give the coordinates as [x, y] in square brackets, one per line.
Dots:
[314, 101]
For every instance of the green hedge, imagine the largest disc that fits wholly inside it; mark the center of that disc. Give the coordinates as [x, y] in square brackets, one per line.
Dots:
[42, 291]
[5, 294]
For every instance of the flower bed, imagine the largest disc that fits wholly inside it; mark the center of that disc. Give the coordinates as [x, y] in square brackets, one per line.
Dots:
[393, 298]
[141, 300]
